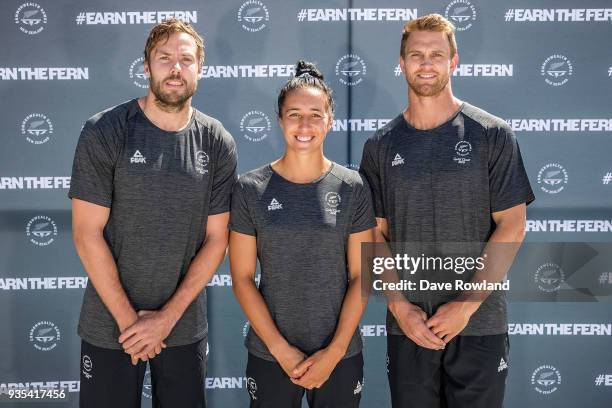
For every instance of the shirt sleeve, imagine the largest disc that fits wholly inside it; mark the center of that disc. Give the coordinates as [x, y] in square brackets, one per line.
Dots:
[363, 212]
[508, 181]
[93, 167]
[240, 216]
[225, 174]
[370, 170]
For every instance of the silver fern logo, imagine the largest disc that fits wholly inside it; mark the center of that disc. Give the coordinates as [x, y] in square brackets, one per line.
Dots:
[351, 69]
[255, 126]
[462, 14]
[557, 70]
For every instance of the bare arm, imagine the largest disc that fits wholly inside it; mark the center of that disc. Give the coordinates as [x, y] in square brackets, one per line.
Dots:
[88, 222]
[243, 263]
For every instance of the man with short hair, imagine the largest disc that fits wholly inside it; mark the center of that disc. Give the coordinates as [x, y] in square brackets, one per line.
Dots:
[445, 171]
[150, 192]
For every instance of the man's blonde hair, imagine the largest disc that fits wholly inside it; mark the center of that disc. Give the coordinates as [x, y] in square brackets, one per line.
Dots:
[430, 22]
[162, 31]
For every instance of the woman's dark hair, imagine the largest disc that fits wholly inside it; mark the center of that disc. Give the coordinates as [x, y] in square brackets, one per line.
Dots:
[307, 75]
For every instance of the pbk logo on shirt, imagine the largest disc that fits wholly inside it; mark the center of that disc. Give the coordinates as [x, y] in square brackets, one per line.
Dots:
[275, 205]
[462, 152]
[397, 160]
[138, 158]
[332, 202]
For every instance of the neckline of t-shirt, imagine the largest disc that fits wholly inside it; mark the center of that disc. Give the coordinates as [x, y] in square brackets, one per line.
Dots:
[170, 132]
[441, 126]
[315, 181]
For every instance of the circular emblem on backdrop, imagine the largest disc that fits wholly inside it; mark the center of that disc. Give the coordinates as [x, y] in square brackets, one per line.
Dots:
[549, 277]
[556, 70]
[552, 178]
[255, 126]
[253, 15]
[31, 18]
[37, 128]
[137, 73]
[44, 336]
[41, 230]
[351, 69]
[202, 160]
[462, 14]
[546, 379]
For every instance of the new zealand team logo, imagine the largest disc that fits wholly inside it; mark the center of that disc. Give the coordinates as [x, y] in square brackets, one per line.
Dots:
[549, 277]
[351, 69]
[556, 70]
[44, 336]
[255, 126]
[462, 14]
[37, 128]
[41, 230]
[552, 178]
[332, 202]
[137, 73]
[253, 15]
[462, 152]
[31, 18]
[546, 379]
[201, 163]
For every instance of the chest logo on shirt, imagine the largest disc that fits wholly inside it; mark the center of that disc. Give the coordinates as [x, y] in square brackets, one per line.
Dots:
[138, 158]
[332, 201]
[397, 160]
[202, 160]
[275, 205]
[462, 152]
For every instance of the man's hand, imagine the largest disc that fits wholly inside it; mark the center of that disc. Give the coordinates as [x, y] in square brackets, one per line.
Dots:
[411, 320]
[451, 318]
[289, 357]
[144, 339]
[316, 369]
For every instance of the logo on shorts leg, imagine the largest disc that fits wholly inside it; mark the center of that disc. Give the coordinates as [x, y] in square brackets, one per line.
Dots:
[546, 379]
[87, 367]
[359, 387]
[503, 365]
[146, 384]
[252, 387]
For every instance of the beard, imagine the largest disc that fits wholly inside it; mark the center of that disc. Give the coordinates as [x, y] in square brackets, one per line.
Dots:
[429, 89]
[172, 101]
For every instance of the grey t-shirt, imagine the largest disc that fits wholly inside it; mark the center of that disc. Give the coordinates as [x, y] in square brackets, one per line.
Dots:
[441, 185]
[302, 234]
[160, 187]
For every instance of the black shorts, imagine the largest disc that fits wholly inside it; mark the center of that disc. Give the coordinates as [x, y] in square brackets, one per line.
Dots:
[469, 373]
[109, 380]
[269, 386]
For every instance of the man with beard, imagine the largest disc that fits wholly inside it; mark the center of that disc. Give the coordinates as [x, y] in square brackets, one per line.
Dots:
[444, 171]
[150, 191]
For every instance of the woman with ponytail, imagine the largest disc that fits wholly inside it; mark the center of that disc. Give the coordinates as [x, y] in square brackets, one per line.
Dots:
[304, 218]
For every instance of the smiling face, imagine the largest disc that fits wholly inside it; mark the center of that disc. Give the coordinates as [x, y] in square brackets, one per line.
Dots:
[427, 62]
[305, 119]
[173, 71]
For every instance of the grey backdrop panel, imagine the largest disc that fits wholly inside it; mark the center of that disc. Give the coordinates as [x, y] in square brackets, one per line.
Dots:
[40, 122]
